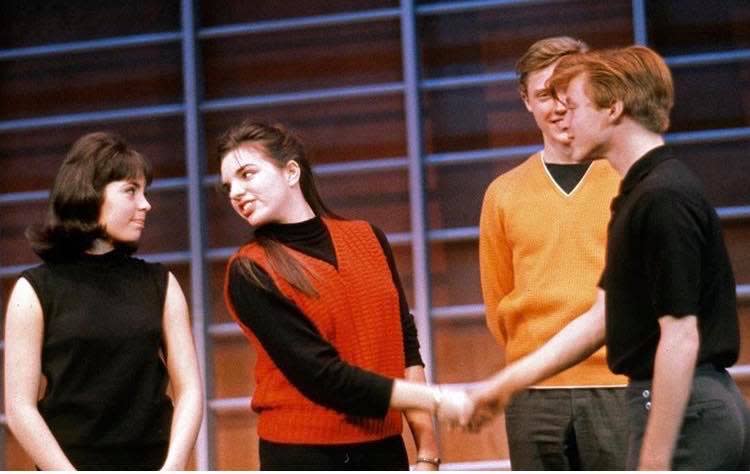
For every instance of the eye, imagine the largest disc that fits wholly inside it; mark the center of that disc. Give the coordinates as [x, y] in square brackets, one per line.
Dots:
[247, 174]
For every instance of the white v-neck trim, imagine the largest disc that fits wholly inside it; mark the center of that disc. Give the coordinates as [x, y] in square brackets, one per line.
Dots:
[557, 186]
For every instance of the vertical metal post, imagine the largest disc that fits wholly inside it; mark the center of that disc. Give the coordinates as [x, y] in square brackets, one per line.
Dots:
[420, 247]
[194, 149]
[640, 27]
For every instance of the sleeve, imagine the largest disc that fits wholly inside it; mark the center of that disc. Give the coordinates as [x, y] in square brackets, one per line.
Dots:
[671, 237]
[408, 326]
[495, 261]
[305, 358]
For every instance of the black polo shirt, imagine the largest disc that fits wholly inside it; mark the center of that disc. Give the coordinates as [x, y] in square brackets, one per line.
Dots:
[666, 256]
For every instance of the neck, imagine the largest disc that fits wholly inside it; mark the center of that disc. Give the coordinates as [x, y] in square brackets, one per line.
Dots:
[299, 211]
[557, 152]
[100, 247]
[629, 144]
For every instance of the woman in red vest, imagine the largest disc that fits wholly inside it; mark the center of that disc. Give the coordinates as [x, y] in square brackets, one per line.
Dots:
[320, 300]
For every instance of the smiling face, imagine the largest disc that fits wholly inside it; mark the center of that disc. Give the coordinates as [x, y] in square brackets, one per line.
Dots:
[588, 126]
[546, 110]
[123, 210]
[259, 190]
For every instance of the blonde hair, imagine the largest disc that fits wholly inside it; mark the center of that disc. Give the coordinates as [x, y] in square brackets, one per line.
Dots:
[635, 75]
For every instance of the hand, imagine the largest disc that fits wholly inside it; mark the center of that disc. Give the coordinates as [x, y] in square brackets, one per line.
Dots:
[490, 398]
[455, 406]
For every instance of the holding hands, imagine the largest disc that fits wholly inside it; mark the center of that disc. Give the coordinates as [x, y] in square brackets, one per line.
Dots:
[474, 407]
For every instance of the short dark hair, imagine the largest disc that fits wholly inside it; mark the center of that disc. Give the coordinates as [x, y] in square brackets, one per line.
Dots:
[72, 222]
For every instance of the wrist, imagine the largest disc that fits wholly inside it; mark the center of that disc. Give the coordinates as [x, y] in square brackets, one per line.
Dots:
[433, 460]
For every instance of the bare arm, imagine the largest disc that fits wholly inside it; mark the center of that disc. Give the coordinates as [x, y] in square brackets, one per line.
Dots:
[674, 367]
[420, 424]
[24, 329]
[574, 343]
[182, 365]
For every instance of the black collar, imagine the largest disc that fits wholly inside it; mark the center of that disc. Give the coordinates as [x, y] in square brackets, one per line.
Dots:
[644, 166]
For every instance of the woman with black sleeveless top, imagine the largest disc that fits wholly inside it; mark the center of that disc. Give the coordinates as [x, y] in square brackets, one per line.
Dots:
[108, 332]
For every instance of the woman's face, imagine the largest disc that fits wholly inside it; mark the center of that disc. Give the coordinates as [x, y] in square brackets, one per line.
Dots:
[259, 190]
[123, 212]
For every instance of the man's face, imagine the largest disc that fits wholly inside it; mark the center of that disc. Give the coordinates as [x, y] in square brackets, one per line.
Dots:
[546, 110]
[587, 126]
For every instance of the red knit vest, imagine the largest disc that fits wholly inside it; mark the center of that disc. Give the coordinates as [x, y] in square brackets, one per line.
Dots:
[357, 311]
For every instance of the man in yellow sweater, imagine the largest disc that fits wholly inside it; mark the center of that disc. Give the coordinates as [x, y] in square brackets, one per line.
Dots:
[542, 239]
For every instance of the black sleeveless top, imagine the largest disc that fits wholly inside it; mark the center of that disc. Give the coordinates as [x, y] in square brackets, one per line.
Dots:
[102, 352]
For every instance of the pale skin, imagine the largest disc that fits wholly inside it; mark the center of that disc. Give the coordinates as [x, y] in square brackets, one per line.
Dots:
[261, 192]
[609, 133]
[123, 215]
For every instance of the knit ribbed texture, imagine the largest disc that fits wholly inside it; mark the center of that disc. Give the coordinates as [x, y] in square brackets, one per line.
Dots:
[541, 256]
[358, 312]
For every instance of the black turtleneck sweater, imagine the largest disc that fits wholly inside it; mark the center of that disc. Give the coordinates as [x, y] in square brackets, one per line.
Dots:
[102, 352]
[294, 343]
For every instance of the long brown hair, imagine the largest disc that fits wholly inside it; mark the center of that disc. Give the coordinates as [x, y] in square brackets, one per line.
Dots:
[281, 146]
[72, 223]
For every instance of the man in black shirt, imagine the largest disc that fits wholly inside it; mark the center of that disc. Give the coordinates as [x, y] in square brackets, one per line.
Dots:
[671, 317]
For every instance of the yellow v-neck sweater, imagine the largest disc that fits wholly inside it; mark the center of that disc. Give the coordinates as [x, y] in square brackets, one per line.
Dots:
[541, 253]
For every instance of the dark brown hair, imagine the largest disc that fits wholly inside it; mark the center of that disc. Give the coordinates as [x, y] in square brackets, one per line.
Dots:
[72, 222]
[281, 146]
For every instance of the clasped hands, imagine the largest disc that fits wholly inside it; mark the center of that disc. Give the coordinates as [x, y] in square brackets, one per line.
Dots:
[472, 407]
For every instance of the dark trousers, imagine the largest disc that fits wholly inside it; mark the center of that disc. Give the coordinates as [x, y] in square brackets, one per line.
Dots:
[715, 431]
[567, 429]
[388, 454]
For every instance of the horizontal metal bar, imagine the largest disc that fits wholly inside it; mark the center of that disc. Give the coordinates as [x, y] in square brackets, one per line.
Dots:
[168, 184]
[705, 59]
[492, 154]
[455, 234]
[466, 311]
[743, 293]
[733, 213]
[487, 465]
[708, 136]
[363, 166]
[15, 270]
[23, 197]
[225, 405]
[90, 45]
[164, 184]
[92, 117]
[474, 5]
[298, 23]
[219, 254]
[302, 97]
[222, 330]
[167, 257]
[443, 83]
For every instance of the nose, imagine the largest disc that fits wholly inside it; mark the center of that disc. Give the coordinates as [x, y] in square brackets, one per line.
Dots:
[144, 205]
[235, 190]
[560, 108]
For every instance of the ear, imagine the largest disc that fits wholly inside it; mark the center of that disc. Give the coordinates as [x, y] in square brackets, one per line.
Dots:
[616, 111]
[525, 99]
[293, 172]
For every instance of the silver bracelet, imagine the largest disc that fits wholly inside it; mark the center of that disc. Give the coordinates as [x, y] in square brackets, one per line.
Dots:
[434, 461]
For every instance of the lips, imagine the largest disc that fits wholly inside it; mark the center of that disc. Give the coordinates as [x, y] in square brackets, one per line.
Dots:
[246, 208]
